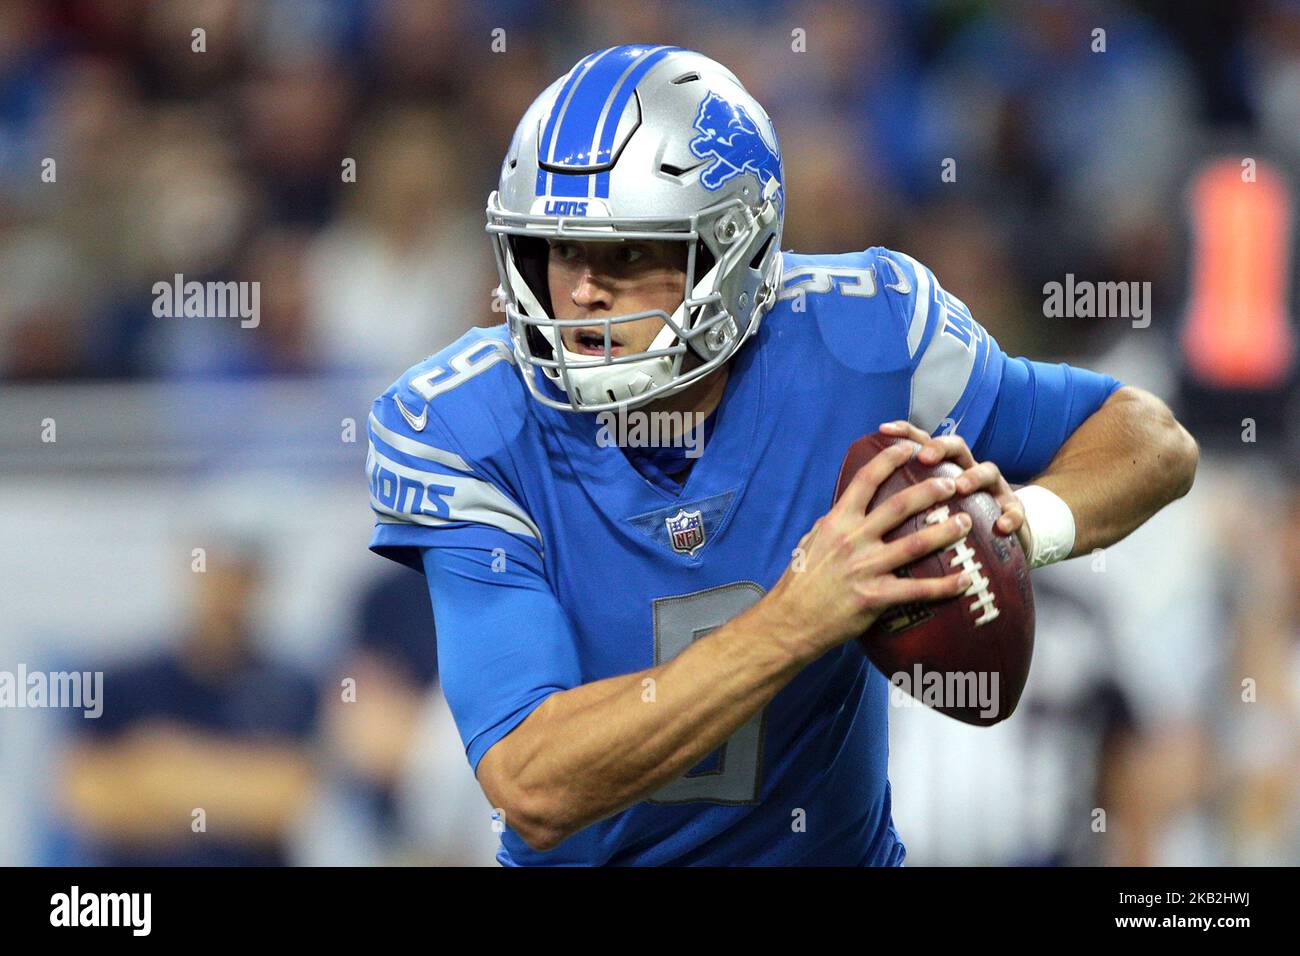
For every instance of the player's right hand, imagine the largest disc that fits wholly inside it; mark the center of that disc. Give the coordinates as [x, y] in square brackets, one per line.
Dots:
[842, 577]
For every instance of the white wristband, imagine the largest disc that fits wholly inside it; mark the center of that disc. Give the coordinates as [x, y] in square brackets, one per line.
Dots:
[1051, 525]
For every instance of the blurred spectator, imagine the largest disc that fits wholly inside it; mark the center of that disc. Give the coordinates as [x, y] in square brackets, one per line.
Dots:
[41, 305]
[1259, 732]
[393, 738]
[295, 119]
[1273, 73]
[184, 210]
[391, 666]
[405, 269]
[1024, 792]
[202, 755]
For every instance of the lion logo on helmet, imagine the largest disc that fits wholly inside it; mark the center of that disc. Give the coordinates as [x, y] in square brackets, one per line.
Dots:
[730, 137]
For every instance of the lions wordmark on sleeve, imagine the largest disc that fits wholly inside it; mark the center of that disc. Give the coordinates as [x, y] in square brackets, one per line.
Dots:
[949, 351]
[415, 483]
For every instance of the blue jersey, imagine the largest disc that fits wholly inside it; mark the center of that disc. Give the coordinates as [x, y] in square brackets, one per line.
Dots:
[553, 562]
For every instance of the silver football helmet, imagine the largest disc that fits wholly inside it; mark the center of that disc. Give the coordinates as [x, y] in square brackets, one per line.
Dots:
[648, 143]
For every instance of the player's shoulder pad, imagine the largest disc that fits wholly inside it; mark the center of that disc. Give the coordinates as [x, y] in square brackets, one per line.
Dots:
[956, 366]
[441, 439]
[466, 400]
[871, 307]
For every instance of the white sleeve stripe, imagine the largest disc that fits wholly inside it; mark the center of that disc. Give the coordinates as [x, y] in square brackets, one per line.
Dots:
[471, 499]
[417, 449]
[386, 516]
[921, 308]
[939, 381]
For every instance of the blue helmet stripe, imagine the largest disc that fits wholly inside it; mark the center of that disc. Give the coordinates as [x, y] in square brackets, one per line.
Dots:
[583, 120]
[574, 185]
[623, 93]
[575, 138]
[558, 109]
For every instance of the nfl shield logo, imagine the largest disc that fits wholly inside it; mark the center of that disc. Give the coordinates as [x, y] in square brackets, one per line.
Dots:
[686, 531]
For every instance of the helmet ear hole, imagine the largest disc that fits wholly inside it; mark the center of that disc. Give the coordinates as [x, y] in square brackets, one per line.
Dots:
[532, 254]
[759, 256]
[704, 261]
[537, 343]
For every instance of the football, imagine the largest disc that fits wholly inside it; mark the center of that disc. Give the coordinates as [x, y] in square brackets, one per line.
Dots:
[967, 657]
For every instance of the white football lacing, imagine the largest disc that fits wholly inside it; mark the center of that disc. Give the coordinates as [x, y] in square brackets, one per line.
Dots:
[964, 556]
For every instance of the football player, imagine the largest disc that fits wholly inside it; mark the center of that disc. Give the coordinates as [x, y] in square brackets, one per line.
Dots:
[646, 649]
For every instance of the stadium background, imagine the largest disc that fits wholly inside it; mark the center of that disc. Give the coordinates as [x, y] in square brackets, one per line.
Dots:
[176, 434]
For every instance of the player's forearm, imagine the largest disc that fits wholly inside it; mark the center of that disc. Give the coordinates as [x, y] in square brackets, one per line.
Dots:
[1126, 461]
[591, 751]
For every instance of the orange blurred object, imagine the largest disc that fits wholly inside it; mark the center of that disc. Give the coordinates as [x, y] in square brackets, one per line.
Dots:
[1237, 333]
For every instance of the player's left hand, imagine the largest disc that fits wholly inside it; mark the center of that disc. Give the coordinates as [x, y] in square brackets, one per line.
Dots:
[976, 476]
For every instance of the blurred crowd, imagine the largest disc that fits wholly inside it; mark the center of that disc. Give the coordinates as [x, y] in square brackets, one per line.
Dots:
[228, 162]
[340, 153]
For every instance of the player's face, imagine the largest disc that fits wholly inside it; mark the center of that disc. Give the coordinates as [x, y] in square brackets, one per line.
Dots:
[601, 279]
[224, 602]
